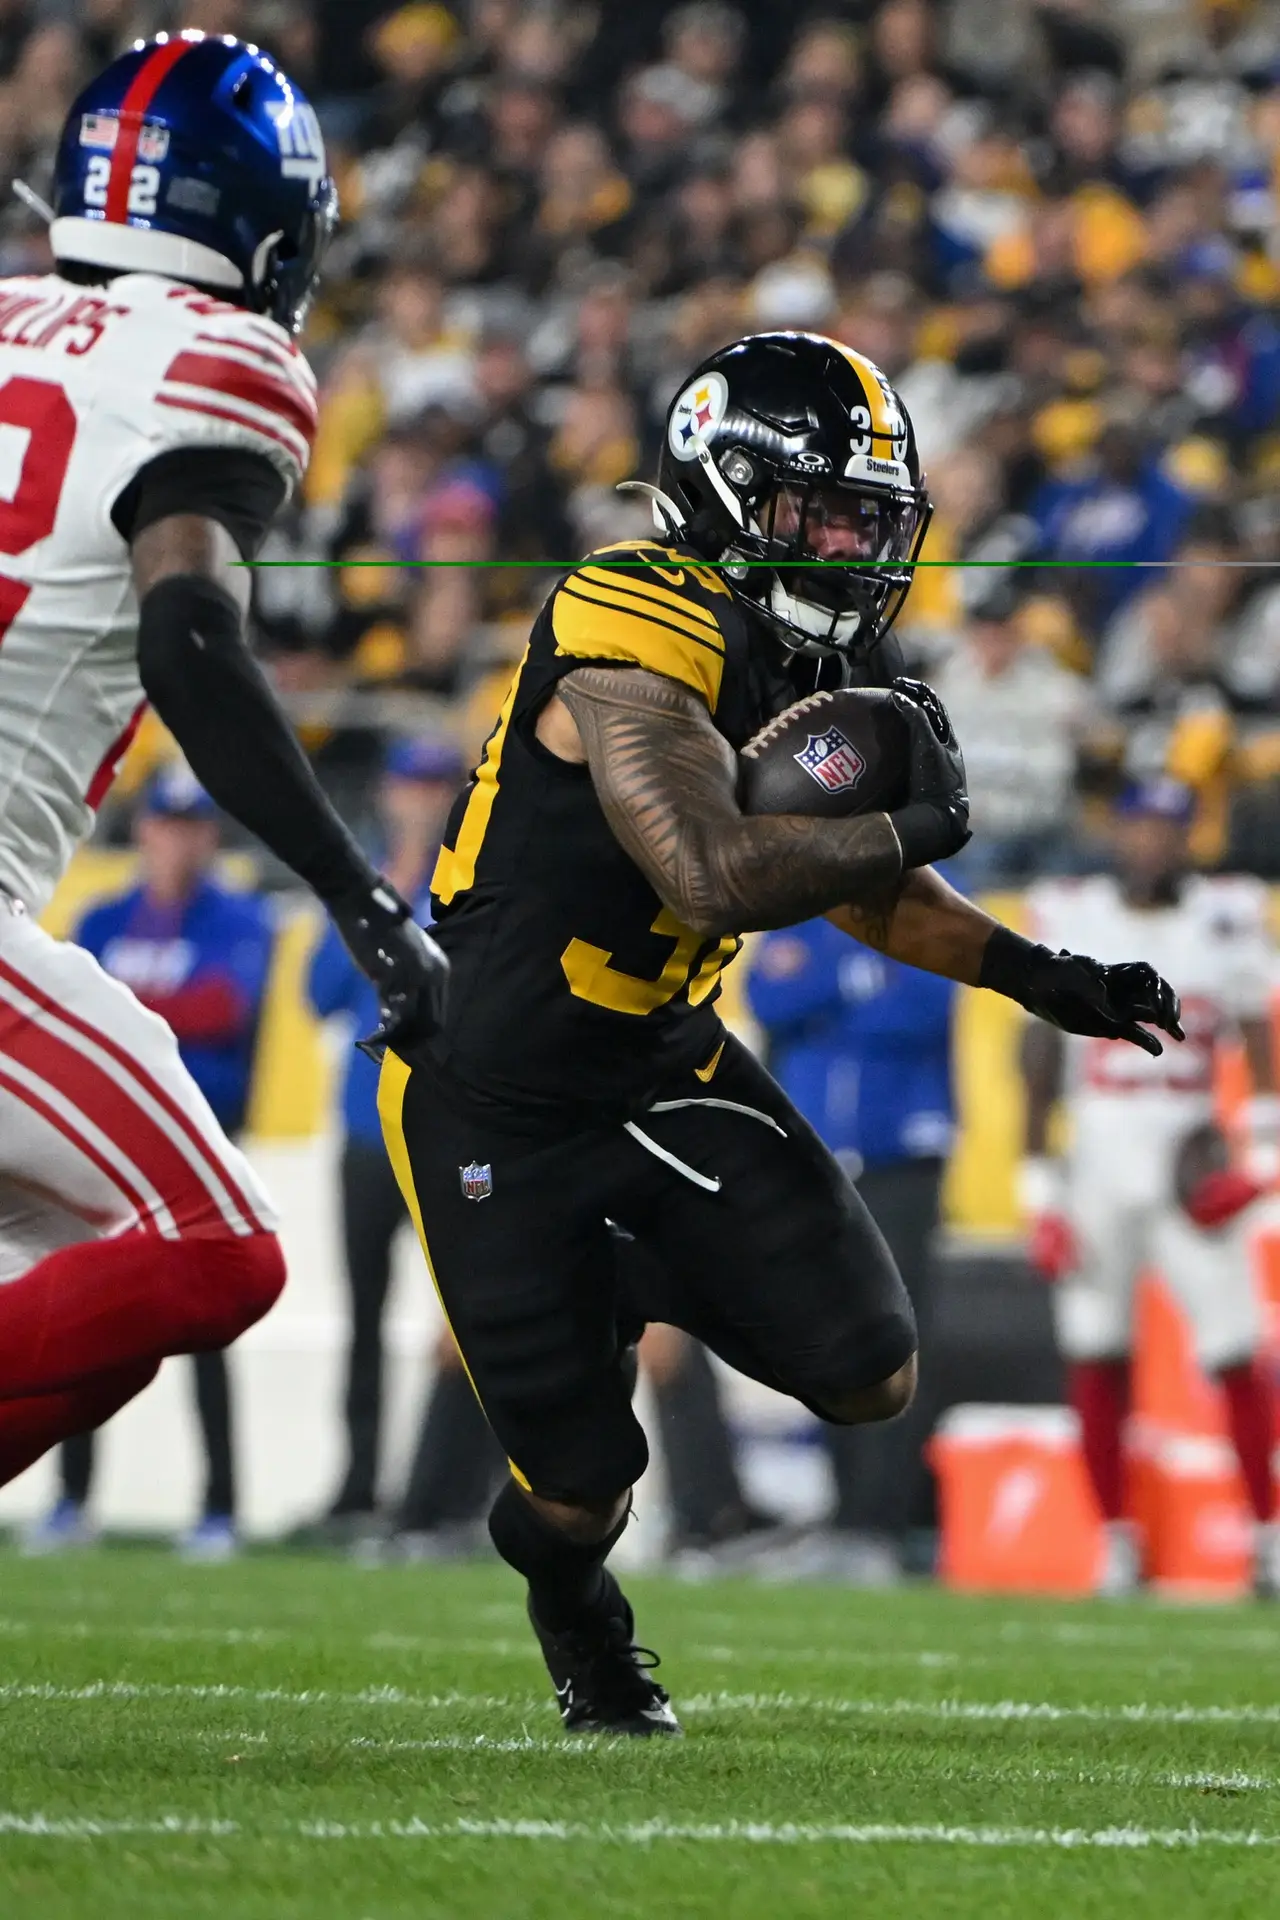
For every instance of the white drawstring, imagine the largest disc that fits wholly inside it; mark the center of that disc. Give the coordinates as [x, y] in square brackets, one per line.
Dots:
[708, 1182]
[730, 1106]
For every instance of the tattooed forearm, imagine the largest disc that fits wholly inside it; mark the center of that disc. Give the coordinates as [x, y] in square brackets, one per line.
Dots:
[932, 927]
[668, 784]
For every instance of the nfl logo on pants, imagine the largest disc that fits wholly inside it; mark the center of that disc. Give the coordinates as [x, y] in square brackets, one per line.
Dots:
[477, 1181]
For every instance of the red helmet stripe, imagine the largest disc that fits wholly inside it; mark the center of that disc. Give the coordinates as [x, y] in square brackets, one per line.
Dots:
[141, 92]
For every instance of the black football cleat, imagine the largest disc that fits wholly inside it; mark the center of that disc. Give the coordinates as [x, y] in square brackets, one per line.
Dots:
[602, 1679]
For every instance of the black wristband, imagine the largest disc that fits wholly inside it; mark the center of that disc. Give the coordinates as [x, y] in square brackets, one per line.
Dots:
[1007, 964]
[218, 704]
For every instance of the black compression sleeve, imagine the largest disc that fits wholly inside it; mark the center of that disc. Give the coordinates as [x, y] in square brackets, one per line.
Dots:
[240, 490]
[215, 700]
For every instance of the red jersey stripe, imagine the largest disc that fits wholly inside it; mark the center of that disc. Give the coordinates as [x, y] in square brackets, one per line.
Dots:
[94, 1093]
[280, 354]
[111, 759]
[290, 444]
[29, 1098]
[141, 91]
[221, 374]
[159, 1094]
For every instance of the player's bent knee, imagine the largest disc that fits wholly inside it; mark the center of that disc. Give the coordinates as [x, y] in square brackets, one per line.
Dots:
[882, 1400]
[228, 1284]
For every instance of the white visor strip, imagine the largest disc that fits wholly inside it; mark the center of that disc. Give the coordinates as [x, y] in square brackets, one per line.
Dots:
[103, 243]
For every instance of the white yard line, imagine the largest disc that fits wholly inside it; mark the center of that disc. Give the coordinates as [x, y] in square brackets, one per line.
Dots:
[265, 1696]
[1002, 1710]
[1133, 1713]
[1103, 1776]
[40, 1826]
[1189, 1638]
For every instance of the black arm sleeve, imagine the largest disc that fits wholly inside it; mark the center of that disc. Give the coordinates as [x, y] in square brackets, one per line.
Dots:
[216, 701]
[241, 491]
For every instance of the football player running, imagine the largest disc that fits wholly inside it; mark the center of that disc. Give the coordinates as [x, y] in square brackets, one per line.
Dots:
[1148, 1178]
[594, 879]
[156, 413]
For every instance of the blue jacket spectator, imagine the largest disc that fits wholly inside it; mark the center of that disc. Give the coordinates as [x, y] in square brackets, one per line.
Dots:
[193, 951]
[335, 985]
[419, 780]
[862, 1044]
[1124, 509]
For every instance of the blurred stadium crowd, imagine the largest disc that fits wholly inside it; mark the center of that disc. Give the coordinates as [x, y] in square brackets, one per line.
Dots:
[1052, 225]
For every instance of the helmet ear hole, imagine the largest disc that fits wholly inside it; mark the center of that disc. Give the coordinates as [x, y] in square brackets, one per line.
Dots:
[242, 92]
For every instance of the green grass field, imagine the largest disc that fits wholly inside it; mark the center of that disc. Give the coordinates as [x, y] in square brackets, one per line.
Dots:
[290, 1737]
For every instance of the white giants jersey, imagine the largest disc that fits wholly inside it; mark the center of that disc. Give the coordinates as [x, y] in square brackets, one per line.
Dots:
[1214, 948]
[95, 382]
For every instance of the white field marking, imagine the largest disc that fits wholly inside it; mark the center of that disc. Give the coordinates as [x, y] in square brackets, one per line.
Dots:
[91, 1629]
[266, 1696]
[788, 1833]
[500, 1647]
[432, 1644]
[1176, 1658]
[1001, 1710]
[1201, 1638]
[41, 1826]
[482, 1743]
[1137, 1712]
[1103, 1776]
[445, 1743]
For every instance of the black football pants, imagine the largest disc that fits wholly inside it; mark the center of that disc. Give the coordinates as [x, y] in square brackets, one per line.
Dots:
[762, 1250]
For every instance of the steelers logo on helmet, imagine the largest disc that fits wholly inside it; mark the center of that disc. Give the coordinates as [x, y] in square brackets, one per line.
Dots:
[696, 415]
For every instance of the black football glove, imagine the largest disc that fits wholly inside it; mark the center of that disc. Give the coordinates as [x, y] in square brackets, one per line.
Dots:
[1081, 995]
[935, 820]
[406, 966]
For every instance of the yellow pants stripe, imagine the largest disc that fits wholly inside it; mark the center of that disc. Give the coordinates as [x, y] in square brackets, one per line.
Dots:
[392, 1082]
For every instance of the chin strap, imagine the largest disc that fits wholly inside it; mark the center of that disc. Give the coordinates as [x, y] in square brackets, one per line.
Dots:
[667, 517]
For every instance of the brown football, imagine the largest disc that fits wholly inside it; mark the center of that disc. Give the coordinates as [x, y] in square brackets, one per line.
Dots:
[831, 754]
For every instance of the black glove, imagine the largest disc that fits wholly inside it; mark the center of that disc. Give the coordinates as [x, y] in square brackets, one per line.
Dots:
[935, 820]
[1081, 995]
[406, 966]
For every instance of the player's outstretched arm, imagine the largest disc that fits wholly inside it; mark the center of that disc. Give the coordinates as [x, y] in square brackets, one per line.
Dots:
[213, 696]
[668, 784]
[934, 927]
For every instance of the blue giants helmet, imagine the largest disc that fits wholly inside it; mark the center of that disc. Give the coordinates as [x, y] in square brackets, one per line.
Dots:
[193, 156]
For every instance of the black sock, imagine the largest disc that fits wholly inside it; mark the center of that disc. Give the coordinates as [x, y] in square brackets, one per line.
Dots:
[567, 1580]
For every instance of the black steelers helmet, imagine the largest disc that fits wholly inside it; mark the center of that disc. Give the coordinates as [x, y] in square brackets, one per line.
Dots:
[793, 452]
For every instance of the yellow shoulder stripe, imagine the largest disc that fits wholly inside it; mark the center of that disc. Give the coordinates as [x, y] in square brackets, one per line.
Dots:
[668, 608]
[673, 604]
[597, 629]
[877, 406]
[456, 866]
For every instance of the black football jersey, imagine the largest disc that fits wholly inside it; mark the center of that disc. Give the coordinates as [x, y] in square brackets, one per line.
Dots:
[573, 986]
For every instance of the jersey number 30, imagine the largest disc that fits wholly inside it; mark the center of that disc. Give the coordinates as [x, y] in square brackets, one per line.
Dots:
[592, 976]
